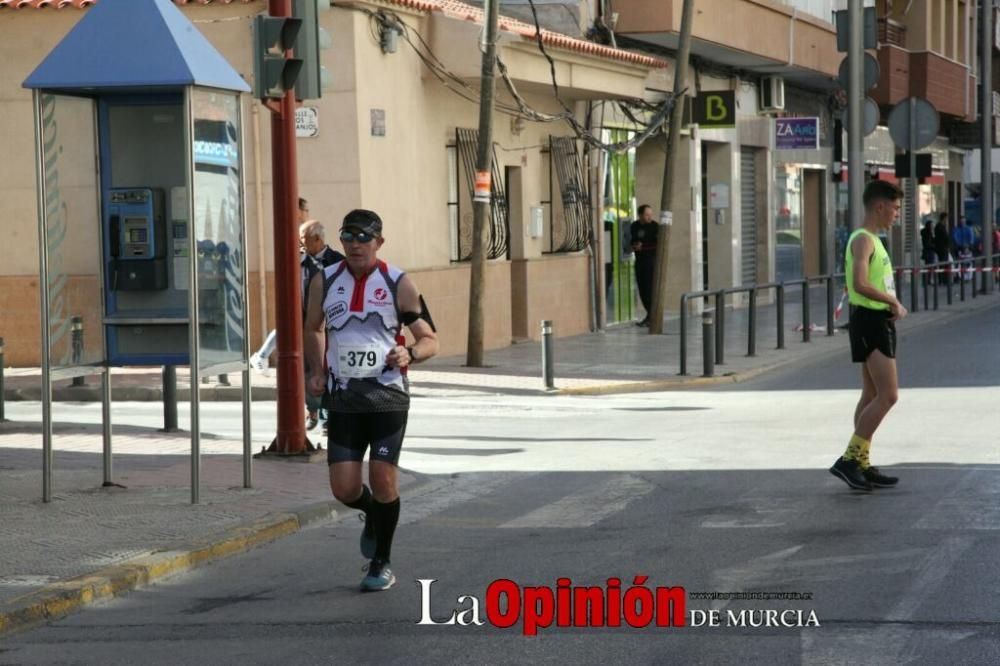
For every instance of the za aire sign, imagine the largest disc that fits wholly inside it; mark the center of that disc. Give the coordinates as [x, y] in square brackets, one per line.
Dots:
[796, 133]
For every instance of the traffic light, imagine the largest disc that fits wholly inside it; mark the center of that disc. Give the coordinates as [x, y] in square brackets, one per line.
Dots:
[312, 39]
[275, 72]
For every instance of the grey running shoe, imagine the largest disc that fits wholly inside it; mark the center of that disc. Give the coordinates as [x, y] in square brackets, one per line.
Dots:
[367, 537]
[379, 577]
[849, 471]
[879, 480]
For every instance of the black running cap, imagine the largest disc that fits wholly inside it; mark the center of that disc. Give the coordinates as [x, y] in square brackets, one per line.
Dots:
[363, 220]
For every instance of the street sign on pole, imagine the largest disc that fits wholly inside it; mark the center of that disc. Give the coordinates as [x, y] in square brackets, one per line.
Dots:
[851, 31]
[926, 124]
[872, 72]
[913, 124]
[869, 119]
[866, 29]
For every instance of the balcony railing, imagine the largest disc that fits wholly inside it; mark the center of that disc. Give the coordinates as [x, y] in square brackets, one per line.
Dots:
[891, 32]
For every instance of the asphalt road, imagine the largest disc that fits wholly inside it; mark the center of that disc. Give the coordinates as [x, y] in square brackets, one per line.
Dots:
[714, 491]
[961, 352]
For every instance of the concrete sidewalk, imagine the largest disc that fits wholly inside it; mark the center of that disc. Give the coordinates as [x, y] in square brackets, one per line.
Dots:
[622, 359]
[92, 542]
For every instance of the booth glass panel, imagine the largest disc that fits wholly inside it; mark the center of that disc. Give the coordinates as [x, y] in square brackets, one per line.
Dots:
[145, 214]
[70, 218]
[218, 228]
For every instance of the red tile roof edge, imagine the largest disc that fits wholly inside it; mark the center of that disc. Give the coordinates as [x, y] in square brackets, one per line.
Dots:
[452, 8]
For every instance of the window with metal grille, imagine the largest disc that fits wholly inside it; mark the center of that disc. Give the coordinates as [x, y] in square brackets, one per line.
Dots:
[462, 166]
[571, 231]
[748, 215]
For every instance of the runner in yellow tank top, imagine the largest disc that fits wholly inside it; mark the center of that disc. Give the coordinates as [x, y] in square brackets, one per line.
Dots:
[874, 311]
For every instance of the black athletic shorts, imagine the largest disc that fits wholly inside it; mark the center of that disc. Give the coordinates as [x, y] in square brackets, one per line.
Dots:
[871, 330]
[351, 433]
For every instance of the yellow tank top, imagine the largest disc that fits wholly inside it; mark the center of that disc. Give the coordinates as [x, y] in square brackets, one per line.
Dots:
[879, 273]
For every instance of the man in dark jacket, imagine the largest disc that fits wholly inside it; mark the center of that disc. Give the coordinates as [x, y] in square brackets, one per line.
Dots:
[927, 251]
[942, 242]
[645, 233]
[316, 255]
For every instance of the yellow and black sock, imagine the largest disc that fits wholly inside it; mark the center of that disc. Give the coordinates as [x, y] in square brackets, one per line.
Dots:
[863, 458]
[857, 450]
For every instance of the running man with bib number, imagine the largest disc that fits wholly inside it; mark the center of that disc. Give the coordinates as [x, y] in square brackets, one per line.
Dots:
[362, 304]
[874, 310]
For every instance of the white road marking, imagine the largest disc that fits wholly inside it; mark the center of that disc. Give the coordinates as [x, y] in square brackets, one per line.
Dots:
[974, 504]
[586, 507]
[896, 643]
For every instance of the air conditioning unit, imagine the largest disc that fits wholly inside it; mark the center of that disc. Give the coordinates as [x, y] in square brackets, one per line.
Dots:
[772, 93]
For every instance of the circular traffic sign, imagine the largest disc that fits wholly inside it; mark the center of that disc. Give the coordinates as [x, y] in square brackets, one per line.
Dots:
[869, 117]
[924, 117]
[869, 66]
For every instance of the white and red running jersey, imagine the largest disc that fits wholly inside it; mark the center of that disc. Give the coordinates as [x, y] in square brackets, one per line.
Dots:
[362, 324]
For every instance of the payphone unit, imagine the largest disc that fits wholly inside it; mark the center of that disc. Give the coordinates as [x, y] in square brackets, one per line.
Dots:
[137, 230]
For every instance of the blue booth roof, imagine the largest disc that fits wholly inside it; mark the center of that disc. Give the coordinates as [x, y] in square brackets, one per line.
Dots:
[133, 45]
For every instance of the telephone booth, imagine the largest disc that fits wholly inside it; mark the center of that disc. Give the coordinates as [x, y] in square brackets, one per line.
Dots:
[139, 158]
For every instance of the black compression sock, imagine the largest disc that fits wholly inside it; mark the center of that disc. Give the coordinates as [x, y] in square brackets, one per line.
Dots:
[364, 501]
[385, 516]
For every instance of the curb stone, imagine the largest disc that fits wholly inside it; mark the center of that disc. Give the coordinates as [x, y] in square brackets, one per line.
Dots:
[64, 597]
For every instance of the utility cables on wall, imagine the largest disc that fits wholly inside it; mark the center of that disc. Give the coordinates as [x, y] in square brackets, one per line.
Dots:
[384, 19]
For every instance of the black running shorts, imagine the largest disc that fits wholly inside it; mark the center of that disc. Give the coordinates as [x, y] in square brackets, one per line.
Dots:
[871, 330]
[350, 434]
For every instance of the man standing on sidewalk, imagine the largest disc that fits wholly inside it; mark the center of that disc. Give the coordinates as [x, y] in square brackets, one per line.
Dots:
[874, 309]
[258, 360]
[363, 304]
[645, 233]
[316, 256]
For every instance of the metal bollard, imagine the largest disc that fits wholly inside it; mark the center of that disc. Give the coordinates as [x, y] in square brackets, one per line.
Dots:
[937, 281]
[2, 364]
[781, 316]
[548, 370]
[170, 398]
[926, 292]
[961, 283]
[76, 334]
[948, 274]
[806, 319]
[707, 340]
[684, 337]
[720, 327]
[830, 323]
[752, 324]
[914, 305]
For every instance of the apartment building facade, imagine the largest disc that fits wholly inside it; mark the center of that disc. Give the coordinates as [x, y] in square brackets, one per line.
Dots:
[762, 208]
[393, 134]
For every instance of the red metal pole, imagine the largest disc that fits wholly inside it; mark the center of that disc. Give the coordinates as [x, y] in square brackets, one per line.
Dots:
[291, 436]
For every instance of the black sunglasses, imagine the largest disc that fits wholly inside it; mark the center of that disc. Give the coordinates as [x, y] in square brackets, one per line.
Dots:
[357, 236]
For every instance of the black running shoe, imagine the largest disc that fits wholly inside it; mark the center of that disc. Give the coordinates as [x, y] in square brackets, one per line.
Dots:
[849, 471]
[879, 480]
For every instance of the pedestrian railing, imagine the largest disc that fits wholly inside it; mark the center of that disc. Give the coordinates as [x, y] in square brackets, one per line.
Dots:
[970, 276]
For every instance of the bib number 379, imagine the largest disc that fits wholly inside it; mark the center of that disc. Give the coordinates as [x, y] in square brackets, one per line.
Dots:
[360, 361]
